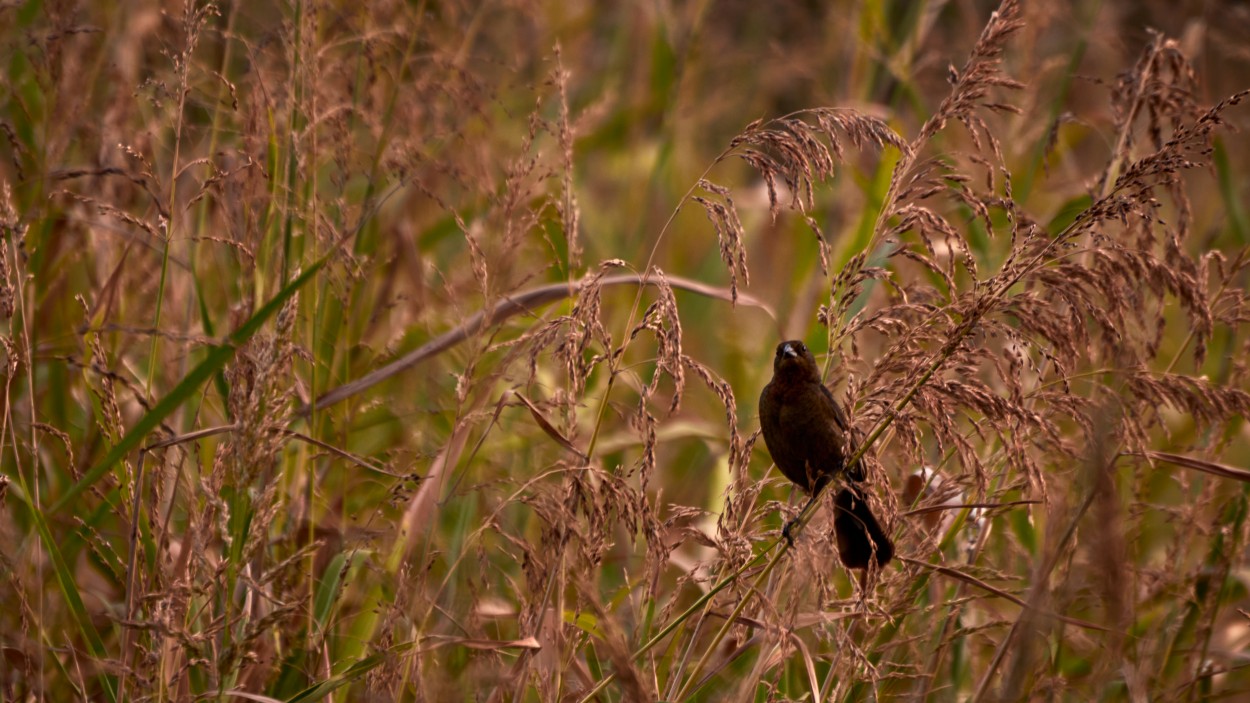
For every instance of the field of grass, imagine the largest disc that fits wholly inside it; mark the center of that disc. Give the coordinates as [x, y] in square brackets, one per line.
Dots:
[412, 350]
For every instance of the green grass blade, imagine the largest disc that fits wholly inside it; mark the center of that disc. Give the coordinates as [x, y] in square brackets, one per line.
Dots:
[69, 588]
[190, 385]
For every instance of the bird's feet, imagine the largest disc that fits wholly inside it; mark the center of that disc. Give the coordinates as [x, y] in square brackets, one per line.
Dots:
[789, 531]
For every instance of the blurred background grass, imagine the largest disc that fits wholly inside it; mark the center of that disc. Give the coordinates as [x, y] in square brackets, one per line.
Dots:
[336, 184]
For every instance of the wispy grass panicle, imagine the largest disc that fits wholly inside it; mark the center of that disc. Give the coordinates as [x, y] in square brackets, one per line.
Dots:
[411, 351]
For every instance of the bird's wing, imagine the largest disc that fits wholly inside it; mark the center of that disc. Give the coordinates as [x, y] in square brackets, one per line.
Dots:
[839, 415]
[856, 472]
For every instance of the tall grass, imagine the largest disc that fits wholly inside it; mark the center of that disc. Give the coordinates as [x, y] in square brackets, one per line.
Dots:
[409, 351]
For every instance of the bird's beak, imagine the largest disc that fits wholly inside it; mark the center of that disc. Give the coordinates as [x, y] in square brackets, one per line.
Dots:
[789, 352]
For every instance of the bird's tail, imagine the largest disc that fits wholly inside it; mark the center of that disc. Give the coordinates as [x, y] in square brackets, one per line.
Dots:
[860, 536]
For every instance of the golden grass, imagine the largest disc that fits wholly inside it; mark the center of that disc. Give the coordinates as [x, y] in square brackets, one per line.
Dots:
[408, 351]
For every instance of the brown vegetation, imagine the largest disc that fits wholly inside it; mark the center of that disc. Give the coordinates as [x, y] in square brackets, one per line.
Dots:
[408, 351]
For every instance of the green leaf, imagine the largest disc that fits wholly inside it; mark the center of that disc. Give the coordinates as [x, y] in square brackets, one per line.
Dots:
[190, 384]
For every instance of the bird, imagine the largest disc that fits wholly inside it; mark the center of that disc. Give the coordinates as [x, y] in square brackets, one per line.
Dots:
[806, 432]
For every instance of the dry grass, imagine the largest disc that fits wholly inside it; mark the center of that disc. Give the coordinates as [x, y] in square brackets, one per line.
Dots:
[402, 351]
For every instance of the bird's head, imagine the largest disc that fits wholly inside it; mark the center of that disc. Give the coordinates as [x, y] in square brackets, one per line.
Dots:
[795, 360]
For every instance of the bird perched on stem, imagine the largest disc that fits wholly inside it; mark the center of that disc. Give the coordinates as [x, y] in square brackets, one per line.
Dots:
[806, 432]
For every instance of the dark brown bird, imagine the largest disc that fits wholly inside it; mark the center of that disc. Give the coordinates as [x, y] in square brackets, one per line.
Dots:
[806, 432]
